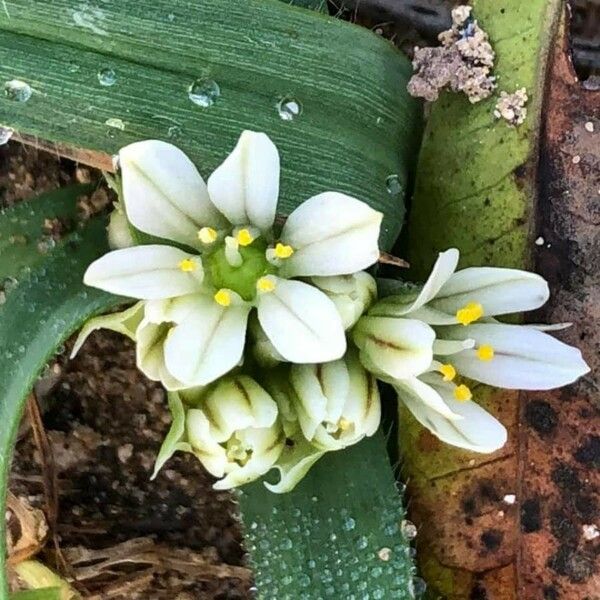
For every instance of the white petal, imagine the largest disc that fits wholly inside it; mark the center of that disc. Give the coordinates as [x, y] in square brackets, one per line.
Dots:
[210, 453]
[402, 304]
[477, 430]
[320, 393]
[170, 310]
[125, 322]
[163, 192]
[332, 234]
[448, 347]
[245, 187]
[524, 358]
[144, 272]
[414, 390]
[207, 344]
[301, 322]
[293, 464]
[499, 291]
[150, 356]
[398, 347]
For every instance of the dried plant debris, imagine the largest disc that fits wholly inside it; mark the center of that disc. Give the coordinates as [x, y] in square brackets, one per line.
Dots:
[511, 107]
[463, 63]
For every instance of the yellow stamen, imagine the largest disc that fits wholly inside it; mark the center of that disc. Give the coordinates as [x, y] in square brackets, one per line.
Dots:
[344, 424]
[207, 235]
[469, 313]
[448, 371]
[187, 265]
[223, 297]
[485, 352]
[283, 251]
[244, 237]
[462, 393]
[265, 284]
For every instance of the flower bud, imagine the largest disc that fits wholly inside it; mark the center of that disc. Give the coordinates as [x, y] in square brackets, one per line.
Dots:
[337, 402]
[394, 347]
[351, 294]
[119, 234]
[235, 431]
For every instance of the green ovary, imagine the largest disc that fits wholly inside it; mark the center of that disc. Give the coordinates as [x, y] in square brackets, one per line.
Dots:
[242, 279]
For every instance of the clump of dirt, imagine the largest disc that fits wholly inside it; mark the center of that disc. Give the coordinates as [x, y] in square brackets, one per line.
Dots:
[463, 63]
[511, 107]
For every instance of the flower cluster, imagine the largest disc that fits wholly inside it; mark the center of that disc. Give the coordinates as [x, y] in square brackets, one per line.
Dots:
[270, 338]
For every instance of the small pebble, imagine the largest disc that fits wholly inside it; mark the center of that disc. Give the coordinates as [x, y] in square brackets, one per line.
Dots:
[511, 498]
[590, 532]
[589, 126]
[576, 159]
[125, 452]
[539, 241]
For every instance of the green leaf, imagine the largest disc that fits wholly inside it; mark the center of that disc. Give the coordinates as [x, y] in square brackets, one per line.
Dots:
[41, 594]
[47, 306]
[357, 128]
[475, 190]
[23, 239]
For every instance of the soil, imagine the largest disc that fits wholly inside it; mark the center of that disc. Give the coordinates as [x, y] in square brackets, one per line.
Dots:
[121, 534]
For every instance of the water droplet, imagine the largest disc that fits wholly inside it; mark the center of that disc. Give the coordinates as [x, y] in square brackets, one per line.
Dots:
[73, 67]
[17, 90]
[311, 564]
[115, 123]
[362, 542]
[349, 524]
[253, 525]
[377, 594]
[315, 498]
[394, 187]
[419, 586]
[286, 544]
[333, 537]
[289, 108]
[304, 580]
[174, 132]
[409, 529]
[170, 17]
[107, 77]
[204, 92]
[287, 580]
[5, 134]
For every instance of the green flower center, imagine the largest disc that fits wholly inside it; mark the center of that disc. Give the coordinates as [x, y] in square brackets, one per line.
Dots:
[241, 279]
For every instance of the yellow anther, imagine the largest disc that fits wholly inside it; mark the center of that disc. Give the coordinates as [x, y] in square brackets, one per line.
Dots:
[265, 284]
[187, 265]
[244, 237]
[283, 251]
[223, 297]
[485, 352]
[462, 393]
[344, 424]
[207, 235]
[448, 371]
[469, 313]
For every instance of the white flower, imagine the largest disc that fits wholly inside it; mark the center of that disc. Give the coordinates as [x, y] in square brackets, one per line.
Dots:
[450, 414]
[463, 297]
[232, 428]
[218, 251]
[337, 403]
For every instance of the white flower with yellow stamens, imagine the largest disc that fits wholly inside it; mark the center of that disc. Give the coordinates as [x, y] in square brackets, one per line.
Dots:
[451, 297]
[217, 248]
[232, 427]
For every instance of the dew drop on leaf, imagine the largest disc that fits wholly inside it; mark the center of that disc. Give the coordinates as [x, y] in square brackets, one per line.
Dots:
[349, 524]
[107, 77]
[17, 90]
[204, 92]
[393, 185]
[289, 108]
